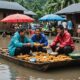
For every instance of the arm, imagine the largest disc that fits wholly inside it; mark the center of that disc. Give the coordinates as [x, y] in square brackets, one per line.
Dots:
[56, 40]
[67, 40]
[28, 40]
[17, 43]
[33, 38]
[45, 41]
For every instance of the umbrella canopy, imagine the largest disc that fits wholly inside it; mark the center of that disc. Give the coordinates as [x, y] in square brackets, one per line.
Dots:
[51, 17]
[17, 18]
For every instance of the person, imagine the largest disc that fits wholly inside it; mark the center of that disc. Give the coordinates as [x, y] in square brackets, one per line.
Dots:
[19, 43]
[65, 41]
[64, 23]
[4, 34]
[59, 23]
[70, 27]
[12, 28]
[16, 26]
[45, 28]
[39, 37]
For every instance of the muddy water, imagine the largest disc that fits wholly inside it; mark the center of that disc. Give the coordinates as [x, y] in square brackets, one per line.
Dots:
[10, 71]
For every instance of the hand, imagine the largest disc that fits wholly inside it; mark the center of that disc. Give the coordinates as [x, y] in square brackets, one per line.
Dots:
[36, 44]
[57, 49]
[47, 47]
[41, 45]
[27, 44]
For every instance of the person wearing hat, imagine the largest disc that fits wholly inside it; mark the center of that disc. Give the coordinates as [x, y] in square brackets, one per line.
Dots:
[19, 43]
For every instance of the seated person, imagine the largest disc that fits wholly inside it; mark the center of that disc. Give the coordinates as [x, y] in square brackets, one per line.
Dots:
[19, 43]
[65, 41]
[40, 38]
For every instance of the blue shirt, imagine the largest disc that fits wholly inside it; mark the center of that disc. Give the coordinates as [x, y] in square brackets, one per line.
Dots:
[42, 40]
[70, 25]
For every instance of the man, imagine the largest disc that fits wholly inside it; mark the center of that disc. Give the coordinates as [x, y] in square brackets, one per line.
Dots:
[65, 41]
[64, 23]
[40, 38]
[19, 43]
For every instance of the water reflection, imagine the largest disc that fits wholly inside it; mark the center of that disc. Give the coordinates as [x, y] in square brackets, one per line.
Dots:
[5, 72]
[33, 78]
[11, 71]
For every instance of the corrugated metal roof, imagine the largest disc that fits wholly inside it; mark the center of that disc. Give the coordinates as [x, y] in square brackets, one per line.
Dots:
[74, 8]
[11, 6]
[29, 13]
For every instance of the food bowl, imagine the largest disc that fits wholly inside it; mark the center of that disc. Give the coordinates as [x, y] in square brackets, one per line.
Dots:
[75, 55]
[54, 53]
[33, 60]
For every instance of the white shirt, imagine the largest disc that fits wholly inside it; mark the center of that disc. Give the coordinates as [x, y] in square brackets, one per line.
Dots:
[64, 24]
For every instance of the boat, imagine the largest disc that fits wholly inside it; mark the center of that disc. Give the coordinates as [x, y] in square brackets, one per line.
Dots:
[40, 66]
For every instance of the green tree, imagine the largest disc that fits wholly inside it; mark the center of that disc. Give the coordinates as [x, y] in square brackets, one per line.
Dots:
[52, 6]
[42, 7]
[36, 6]
[69, 2]
[9, 0]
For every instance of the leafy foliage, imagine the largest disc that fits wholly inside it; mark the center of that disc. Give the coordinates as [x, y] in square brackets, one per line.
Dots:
[42, 7]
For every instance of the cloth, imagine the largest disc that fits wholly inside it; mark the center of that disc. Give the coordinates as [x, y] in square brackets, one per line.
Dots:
[64, 40]
[65, 50]
[22, 50]
[16, 43]
[42, 39]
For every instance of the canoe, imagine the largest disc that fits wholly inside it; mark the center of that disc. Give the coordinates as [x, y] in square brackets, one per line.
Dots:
[40, 66]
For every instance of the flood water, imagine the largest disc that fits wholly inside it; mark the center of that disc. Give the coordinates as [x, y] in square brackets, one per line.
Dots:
[11, 71]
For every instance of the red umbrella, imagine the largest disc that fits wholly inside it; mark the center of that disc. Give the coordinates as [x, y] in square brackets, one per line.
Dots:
[17, 18]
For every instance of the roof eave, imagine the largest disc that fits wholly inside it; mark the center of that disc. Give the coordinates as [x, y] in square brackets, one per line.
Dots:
[68, 13]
